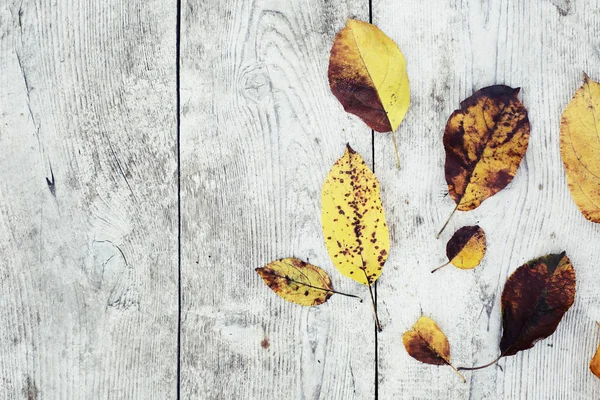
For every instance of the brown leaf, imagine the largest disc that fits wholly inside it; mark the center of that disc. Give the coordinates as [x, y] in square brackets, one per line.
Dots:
[427, 343]
[485, 141]
[534, 300]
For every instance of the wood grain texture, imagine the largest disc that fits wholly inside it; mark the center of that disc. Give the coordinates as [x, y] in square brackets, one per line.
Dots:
[260, 130]
[88, 200]
[452, 49]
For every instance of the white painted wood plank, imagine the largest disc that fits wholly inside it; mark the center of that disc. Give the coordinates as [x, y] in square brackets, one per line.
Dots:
[452, 49]
[88, 200]
[260, 130]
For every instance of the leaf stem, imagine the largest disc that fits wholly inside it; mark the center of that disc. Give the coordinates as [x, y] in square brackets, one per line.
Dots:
[598, 323]
[481, 366]
[396, 150]
[316, 287]
[377, 324]
[446, 223]
[441, 266]
[458, 373]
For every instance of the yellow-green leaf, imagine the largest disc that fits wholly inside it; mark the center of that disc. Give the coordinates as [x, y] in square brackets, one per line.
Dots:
[580, 148]
[297, 281]
[367, 73]
[427, 343]
[354, 227]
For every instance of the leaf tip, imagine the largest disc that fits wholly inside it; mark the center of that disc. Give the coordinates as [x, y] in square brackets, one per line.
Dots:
[586, 78]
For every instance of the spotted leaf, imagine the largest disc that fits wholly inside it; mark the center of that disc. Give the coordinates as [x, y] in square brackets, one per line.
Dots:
[297, 281]
[485, 141]
[354, 226]
[595, 362]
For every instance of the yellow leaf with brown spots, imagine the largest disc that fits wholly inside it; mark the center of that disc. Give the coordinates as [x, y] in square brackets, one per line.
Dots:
[580, 147]
[297, 281]
[427, 343]
[367, 74]
[595, 362]
[354, 226]
[466, 248]
[485, 141]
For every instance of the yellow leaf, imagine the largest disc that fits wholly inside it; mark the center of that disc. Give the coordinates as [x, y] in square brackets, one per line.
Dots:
[297, 281]
[354, 227]
[427, 343]
[580, 147]
[485, 141]
[367, 73]
[466, 248]
[595, 363]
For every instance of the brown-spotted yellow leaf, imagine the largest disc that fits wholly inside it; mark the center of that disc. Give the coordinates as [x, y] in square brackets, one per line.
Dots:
[485, 141]
[427, 343]
[534, 300]
[595, 362]
[580, 147]
[367, 74]
[297, 281]
[354, 226]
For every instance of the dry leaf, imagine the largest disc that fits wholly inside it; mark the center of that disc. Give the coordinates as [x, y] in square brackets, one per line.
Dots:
[354, 227]
[595, 363]
[580, 147]
[534, 300]
[427, 343]
[297, 281]
[466, 248]
[367, 73]
[485, 141]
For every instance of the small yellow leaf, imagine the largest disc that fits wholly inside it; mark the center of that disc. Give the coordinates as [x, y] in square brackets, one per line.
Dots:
[580, 148]
[297, 281]
[354, 227]
[466, 248]
[595, 363]
[367, 73]
[427, 343]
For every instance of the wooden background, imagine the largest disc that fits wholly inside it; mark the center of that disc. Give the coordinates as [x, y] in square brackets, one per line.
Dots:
[154, 153]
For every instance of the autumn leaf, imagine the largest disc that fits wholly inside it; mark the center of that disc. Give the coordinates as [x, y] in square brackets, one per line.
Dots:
[354, 227]
[485, 141]
[534, 300]
[580, 147]
[427, 343]
[595, 363]
[367, 74]
[297, 281]
[466, 248]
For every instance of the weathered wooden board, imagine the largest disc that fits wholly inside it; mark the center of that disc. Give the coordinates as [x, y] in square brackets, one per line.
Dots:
[88, 200]
[454, 48]
[260, 130]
